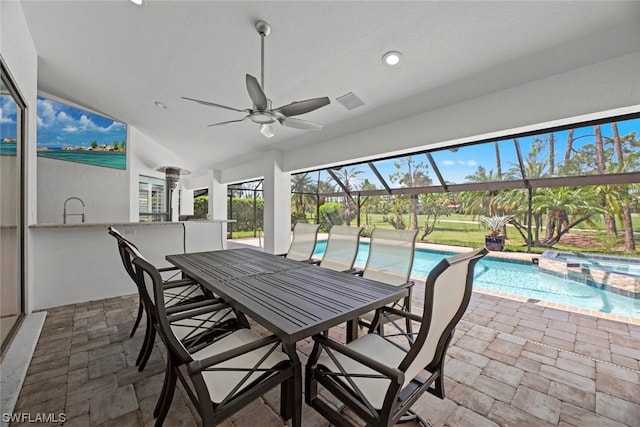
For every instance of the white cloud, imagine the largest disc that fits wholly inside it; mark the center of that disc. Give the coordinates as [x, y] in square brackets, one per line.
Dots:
[467, 162]
[4, 119]
[46, 113]
[448, 162]
[64, 117]
[70, 128]
[7, 109]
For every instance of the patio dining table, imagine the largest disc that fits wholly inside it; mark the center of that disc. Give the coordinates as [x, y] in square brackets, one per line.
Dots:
[292, 299]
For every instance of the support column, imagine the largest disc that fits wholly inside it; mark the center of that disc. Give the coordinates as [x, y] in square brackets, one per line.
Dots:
[277, 204]
[218, 201]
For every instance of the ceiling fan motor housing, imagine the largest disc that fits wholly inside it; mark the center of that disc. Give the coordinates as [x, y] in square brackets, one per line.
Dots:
[263, 28]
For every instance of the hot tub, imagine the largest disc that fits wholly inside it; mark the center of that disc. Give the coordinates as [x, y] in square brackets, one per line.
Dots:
[613, 273]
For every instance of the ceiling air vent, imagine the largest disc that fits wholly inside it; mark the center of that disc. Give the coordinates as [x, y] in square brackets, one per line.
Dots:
[350, 101]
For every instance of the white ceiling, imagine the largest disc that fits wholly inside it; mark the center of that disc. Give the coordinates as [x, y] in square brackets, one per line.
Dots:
[118, 59]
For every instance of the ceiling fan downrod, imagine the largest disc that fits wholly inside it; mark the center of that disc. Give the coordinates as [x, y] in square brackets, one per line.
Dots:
[264, 30]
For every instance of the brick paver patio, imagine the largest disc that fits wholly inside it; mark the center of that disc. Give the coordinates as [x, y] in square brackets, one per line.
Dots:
[511, 363]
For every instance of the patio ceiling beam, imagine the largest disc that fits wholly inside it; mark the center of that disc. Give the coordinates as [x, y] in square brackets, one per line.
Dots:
[341, 184]
[436, 170]
[379, 176]
[516, 143]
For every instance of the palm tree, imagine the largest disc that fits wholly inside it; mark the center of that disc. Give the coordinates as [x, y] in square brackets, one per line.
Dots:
[569, 206]
[411, 174]
[349, 178]
[625, 214]
[480, 202]
[601, 164]
[301, 186]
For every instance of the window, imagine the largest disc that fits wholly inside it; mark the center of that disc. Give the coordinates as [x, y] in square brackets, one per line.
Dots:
[152, 199]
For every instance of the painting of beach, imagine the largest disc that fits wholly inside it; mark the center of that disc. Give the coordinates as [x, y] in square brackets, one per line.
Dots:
[76, 135]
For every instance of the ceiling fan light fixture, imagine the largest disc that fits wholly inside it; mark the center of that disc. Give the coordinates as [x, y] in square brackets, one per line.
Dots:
[262, 117]
[392, 58]
[267, 130]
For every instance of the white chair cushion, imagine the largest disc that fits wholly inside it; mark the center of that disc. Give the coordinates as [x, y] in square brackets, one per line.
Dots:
[192, 326]
[370, 345]
[220, 383]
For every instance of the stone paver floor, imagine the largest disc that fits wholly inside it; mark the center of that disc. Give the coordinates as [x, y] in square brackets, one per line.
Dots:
[510, 363]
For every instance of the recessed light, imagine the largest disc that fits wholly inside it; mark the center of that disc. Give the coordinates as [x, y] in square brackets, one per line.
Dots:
[392, 58]
[161, 105]
[137, 2]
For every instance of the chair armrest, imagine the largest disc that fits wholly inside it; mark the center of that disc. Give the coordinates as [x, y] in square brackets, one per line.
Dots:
[163, 269]
[392, 373]
[401, 313]
[200, 365]
[194, 305]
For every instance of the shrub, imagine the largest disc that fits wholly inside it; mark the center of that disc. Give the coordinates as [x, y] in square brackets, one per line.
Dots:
[243, 213]
[330, 215]
[201, 206]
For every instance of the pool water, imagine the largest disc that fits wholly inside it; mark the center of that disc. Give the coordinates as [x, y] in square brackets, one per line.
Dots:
[521, 279]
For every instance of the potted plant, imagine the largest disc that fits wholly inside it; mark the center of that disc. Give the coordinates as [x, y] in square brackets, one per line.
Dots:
[495, 224]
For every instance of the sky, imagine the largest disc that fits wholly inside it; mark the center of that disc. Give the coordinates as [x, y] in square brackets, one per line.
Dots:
[7, 117]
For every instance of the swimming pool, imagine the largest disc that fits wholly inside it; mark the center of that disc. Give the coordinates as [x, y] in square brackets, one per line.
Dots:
[523, 280]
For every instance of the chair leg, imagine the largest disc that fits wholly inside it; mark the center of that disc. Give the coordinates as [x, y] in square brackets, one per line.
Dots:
[167, 398]
[145, 342]
[148, 350]
[165, 386]
[138, 318]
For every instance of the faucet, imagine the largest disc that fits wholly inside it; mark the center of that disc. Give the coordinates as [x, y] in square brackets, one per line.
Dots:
[65, 214]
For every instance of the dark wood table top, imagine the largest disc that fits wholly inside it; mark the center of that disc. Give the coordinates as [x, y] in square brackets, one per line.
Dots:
[292, 299]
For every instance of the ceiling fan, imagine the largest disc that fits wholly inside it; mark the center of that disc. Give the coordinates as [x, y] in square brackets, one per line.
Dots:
[262, 112]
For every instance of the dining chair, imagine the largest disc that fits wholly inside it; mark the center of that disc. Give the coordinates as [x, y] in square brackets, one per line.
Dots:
[227, 373]
[304, 241]
[181, 293]
[379, 377]
[390, 260]
[342, 248]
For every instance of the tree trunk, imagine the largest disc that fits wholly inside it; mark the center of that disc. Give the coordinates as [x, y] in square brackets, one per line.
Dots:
[567, 150]
[552, 154]
[498, 163]
[548, 231]
[414, 208]
[609, 220]
[629, 242]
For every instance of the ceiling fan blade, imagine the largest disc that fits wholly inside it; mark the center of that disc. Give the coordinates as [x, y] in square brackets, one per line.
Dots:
[227, 122]
[299, 123]
[211, 104]
[301, 107]
[256, 93]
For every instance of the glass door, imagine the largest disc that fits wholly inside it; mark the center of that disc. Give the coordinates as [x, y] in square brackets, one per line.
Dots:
[12, 129]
